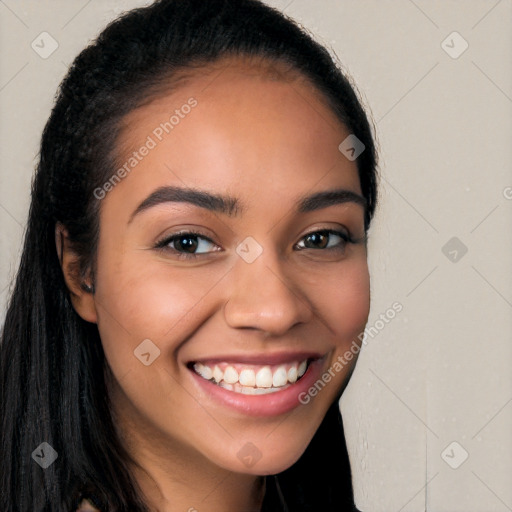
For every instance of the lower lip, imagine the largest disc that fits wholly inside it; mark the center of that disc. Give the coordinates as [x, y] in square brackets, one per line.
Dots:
[270, 404]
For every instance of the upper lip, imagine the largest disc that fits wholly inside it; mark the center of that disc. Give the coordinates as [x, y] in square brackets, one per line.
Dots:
[261, 358]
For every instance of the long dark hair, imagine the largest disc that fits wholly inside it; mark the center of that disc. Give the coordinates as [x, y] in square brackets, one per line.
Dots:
[52, 365]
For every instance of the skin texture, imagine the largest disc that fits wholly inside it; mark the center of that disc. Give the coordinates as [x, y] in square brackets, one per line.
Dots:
[86, 506]
[267, 141]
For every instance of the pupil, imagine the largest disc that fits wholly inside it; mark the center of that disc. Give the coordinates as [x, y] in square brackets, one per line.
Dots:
[318, 238]
[188, 243]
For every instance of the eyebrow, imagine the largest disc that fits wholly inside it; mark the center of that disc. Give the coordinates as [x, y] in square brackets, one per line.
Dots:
[232, 206]
[327, 198]
[214, 202]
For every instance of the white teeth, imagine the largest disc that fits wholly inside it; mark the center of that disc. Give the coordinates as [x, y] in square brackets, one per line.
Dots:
[256, 391]
[218, 374]
[251, 380]
[280, 377]
[204, 371]
[264, 391]
[247, 378]
[230, 375]
[264, 377]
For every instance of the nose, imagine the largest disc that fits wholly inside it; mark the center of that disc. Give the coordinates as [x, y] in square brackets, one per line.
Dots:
[262, 297]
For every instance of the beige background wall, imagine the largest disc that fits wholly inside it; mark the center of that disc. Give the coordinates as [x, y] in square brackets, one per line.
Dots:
[440, 371]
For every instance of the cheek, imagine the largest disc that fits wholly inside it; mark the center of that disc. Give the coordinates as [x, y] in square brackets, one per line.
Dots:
[345, 301]
[139, 299]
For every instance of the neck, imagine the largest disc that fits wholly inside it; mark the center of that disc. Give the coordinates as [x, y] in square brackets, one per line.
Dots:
[193, 492]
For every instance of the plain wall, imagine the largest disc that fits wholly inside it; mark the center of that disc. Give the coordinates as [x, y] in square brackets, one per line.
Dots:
[439, 372]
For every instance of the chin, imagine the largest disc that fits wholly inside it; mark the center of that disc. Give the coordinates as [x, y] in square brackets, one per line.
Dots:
[269, 459]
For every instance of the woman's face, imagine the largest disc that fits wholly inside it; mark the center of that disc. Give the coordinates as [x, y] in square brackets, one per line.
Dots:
[269, 284]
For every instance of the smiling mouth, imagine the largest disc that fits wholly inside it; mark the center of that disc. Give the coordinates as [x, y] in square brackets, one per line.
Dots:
[251, 379]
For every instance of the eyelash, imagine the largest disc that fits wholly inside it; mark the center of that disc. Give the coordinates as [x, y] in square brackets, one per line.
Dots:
[164, 243]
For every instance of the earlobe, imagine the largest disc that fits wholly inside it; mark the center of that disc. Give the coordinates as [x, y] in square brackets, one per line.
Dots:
[81, 291]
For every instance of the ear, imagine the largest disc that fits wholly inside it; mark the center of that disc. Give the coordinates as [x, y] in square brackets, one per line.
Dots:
[81, 291]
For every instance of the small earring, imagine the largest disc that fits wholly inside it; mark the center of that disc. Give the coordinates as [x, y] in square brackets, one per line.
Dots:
[88, 288]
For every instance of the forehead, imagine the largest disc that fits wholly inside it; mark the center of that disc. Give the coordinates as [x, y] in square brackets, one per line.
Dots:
[254, 124]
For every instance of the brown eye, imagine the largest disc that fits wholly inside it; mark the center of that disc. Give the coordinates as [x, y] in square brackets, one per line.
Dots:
[324, 239]
[317, 241]
[186, 243]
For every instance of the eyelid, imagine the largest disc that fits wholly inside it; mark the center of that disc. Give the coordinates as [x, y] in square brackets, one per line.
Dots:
[163, 242]
[339, 229]
[345, 236]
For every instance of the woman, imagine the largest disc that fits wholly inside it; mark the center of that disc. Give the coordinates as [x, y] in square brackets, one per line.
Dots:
[193, 283]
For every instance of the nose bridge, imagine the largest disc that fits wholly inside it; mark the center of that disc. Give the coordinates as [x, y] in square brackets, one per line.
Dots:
[262, 296]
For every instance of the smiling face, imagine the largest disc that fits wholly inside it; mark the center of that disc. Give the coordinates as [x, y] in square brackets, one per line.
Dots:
[244, 315]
